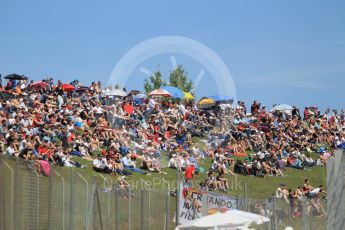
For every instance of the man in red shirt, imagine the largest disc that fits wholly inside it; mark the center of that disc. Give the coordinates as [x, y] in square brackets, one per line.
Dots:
[188, 174]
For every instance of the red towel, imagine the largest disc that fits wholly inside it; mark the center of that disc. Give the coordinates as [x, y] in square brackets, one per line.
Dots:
[45, 167]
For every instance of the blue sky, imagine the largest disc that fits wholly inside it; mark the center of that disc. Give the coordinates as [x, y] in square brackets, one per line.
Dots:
[277, 51]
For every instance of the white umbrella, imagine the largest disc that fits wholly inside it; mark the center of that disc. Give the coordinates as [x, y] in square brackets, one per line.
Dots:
[116, 92]
[215, 221]
[282, 107]
[257, 219]
[140, 96]
[160, 93]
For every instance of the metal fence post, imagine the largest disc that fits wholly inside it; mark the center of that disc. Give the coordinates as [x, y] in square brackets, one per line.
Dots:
[194, 208]
[86, 199]
[245, 197]
[63, 199]
[93, 208]
[177, 216]
[17, 195]
[129, 208]
[50, 201]
[289, 214]
[72, 199]
[142, 209]
[331, 194]
[266, 212]
[273, 217]
[167, 211]
[37, 199]
[2, 200]
[109, 207]
[204, 204]
[99, 208]
[305, 214]
[117, 209]
[12, 192]
[339, 221]
[149, 208]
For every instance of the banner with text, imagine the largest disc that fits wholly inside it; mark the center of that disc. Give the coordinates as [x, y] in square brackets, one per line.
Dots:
[194, 203]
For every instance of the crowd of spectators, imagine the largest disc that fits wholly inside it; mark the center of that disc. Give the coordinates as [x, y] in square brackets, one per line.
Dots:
[47, 122]
[295, 198]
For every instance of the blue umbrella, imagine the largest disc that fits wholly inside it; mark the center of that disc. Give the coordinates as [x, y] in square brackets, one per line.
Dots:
[218, 98]
[175, 92]
[137, 101]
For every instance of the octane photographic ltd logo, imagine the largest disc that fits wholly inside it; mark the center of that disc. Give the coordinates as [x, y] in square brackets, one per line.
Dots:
[211, 63]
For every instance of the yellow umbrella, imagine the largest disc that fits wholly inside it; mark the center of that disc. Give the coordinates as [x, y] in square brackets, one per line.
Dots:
[188, 96]
[206, 101]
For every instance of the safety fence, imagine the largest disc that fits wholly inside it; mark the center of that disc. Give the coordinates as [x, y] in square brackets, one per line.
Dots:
[70, 199]
[302, 213]
[336, 191]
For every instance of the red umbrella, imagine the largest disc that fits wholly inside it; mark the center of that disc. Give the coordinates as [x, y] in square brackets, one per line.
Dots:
[128, 108]
[39, 84]
[67, 87]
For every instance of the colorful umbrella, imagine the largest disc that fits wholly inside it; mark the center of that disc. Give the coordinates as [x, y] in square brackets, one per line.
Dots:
[206, 103]
[218, 98]
[39, 84]
[67, 87]
[188, 96]
[160, 93]
[175, 92]
[128, 108]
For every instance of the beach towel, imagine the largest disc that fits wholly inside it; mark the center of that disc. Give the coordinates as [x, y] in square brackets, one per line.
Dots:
[45, 167]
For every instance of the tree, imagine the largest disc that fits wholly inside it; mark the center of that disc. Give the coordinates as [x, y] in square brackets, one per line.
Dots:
[178, 78]
[154, 82]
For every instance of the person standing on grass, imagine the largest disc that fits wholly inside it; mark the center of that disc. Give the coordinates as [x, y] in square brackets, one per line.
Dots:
[316, 200]
[306, 187]
[189, 173]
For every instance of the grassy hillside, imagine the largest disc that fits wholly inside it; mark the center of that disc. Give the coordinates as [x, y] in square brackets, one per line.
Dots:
[256, 187]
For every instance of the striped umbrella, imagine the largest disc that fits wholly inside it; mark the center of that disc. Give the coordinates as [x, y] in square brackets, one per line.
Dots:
[39, 84]
[160, 93]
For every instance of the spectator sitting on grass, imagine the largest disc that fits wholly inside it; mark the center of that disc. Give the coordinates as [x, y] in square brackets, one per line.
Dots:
[129, 164]
[100, 164]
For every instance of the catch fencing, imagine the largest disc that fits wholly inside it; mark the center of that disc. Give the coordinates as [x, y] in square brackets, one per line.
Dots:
[306, 213]
[70, 199]
[336, 191]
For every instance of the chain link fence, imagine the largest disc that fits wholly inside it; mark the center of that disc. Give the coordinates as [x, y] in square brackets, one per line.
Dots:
[69, 199]
[302, 213]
